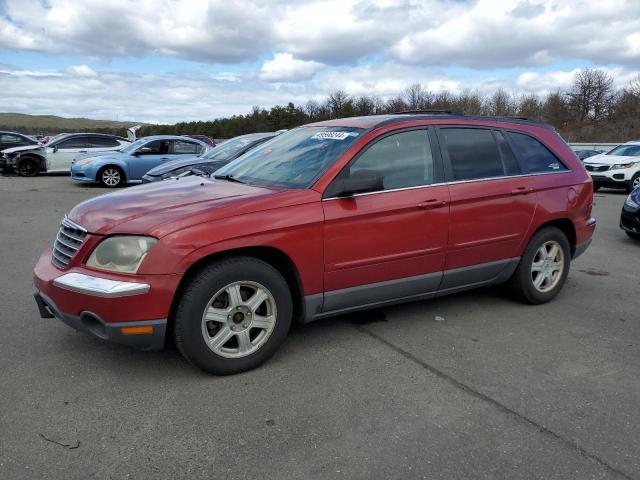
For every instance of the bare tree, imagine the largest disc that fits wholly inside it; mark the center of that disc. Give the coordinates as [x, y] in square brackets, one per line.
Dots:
[416, 98]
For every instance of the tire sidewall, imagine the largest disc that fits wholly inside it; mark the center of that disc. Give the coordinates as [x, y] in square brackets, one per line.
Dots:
[197, 296]
[35, 172]
[528, 290]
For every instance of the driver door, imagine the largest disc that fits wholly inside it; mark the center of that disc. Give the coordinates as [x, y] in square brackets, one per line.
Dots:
[148, 156]
[390, 243]
[60, 155]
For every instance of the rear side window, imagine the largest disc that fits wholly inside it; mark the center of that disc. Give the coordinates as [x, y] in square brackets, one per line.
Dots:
[187, 148]
[73, 142]
[404, 160]
[5, 138]
[536, 157]
[473, 153]
[102, 142]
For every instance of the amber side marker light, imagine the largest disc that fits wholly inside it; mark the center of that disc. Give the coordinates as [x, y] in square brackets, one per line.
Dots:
[136, 330]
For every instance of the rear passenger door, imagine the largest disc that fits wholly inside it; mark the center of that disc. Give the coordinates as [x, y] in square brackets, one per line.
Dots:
[389, 243]
[492, 203]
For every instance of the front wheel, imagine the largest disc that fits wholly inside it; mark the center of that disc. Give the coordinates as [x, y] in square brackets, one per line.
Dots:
[111, 177]
[635, 236]
[28, 167]
[543, 268]
[233, 315]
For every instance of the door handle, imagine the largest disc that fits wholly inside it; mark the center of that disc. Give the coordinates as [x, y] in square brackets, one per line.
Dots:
[83, 151]
[164, 158]
[521, 190]
[431, 204]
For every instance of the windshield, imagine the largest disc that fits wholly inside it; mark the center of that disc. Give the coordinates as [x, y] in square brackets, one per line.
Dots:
[626, 151]
[294, 159]
[134, 146]
[229, 148]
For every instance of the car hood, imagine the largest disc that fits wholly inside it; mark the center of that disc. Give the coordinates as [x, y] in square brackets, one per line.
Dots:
[160, 208]
[21, 149]
[174, 164]
[610, 159]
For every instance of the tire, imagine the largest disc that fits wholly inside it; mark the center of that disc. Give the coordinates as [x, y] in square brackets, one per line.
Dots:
[635, 236]
[217, 315]
[111, 177]
[28, 167]
[524, 280]
[634, 183]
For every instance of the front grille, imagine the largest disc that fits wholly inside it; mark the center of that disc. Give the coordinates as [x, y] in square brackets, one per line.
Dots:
[69, 239]
[597, 168]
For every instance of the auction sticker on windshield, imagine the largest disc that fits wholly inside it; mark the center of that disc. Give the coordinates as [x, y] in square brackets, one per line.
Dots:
[332, 135]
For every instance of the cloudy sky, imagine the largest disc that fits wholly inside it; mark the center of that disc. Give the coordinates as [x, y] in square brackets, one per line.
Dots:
[170, 60]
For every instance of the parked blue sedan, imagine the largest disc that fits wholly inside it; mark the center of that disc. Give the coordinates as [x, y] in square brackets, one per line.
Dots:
[129, 164]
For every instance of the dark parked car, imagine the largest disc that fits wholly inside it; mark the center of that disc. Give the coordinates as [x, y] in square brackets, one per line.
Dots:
[13, 139]
[630, 217]
[582, 154]
[211, 160]
[325, 219]
[204, 138]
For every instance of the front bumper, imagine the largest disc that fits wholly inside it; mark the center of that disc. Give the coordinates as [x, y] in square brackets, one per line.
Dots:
[102, 304]
[146, 335]
[630, 220]
[620, 178]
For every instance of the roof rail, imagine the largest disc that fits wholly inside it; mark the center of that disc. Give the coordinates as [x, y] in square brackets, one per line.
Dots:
[430, 111]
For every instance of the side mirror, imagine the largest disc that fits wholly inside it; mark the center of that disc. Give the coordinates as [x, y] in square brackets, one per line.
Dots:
[142, 151]
[361, 181]
[55, 149]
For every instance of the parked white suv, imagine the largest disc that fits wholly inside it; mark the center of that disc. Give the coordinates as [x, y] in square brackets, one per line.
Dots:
[57, 154]
[618, 168]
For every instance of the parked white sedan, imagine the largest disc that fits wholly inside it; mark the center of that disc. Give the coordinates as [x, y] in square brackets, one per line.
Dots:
[57, 154]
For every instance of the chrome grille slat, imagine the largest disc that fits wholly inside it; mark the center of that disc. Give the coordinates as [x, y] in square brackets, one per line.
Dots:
[69, 239]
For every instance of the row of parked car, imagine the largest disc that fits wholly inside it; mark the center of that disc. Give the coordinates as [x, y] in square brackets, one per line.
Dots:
[115, 161]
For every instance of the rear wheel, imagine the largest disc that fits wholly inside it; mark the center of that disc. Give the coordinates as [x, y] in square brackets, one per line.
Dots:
[543, 268]
[111, 177]
[233, 315]
[28, 167]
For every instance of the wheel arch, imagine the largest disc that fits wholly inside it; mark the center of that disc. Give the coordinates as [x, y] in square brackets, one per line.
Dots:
[566, 226]
[101, 168]
[271, 255]
[35, 156]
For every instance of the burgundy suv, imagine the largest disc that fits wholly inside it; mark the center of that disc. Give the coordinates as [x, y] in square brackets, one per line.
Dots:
[324, 219]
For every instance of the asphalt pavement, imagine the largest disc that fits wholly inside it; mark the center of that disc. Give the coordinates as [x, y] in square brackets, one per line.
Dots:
[474, 385]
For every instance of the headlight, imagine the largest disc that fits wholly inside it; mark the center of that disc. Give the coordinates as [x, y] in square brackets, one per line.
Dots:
[622, 165]
[629, 202]
[85, 161]
[121, 253]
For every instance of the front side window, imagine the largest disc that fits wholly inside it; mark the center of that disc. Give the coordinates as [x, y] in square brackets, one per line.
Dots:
[473, 153]
[294, 159]
[403, 160]
[536, 157]
[180, 147]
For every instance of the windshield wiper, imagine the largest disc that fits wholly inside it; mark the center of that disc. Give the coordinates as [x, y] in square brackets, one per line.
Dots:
[229, 178]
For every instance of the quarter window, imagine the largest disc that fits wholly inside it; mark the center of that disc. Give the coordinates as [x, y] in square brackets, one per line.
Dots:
[404, 160]
[536, 157]
[473, 153]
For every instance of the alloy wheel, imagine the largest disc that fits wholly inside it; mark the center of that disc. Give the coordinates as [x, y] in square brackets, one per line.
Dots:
[547, 266]
[111, 177]
[239, 319]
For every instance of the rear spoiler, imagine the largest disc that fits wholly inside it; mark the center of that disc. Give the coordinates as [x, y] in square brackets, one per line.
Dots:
[131, 132]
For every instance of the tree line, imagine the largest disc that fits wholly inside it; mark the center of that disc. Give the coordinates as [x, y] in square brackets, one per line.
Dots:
[592, 110]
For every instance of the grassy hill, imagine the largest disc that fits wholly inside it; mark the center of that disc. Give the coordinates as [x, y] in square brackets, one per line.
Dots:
[51, 124]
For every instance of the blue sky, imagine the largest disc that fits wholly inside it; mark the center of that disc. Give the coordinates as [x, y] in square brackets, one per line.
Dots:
[172, 60]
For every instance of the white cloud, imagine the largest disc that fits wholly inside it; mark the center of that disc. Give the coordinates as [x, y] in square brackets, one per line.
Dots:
[285, 68]
[82, 71]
